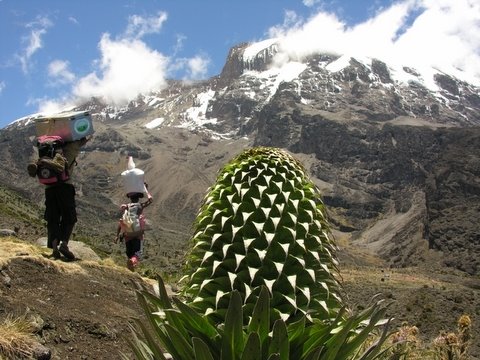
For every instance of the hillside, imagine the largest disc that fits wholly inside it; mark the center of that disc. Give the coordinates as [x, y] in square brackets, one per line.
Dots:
[81, 309]
[403, 193]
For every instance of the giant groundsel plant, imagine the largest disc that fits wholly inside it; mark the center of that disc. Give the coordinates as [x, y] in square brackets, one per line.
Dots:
[263, 223]
[261, 277]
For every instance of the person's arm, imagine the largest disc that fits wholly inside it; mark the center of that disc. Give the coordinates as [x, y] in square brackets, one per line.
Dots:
[149, 197]
[119, 228]
[72, 148]
[117, 237]
[148, 202]
[84, 140]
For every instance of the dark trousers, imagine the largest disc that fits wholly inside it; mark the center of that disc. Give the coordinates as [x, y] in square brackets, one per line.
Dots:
[133, 247]
[60, 212]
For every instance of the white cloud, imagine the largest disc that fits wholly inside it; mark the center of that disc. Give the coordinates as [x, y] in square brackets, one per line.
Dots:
[73, 20]
[127, 67]
[443, 34]
[179, 43]
[197, 67]
[2, 86]
[291, 23]
[139, 26]
[33, 41]
[51, 106]
[310, 3]
[194, 68]
[59, 72]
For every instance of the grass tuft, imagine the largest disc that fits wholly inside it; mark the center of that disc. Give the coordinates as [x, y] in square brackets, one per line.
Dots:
[16, 338]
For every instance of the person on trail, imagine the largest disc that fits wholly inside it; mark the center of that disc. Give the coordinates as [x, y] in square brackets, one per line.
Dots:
[127, 230]
[60, 208]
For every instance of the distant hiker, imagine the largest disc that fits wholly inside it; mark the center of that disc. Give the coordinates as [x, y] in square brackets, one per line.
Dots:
[131, 227]
[132, 224]
[54, 169]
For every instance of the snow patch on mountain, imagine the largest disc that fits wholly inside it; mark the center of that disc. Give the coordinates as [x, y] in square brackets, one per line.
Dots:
[274, 76]
[114, 112]
[24, 121]
[153, 101]
[258, 49]
[398, 73]
[195, 116]
[154, 123]
[341, 63]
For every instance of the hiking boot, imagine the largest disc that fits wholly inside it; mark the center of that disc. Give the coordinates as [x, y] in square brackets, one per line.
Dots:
[132, 263]
[55, 252]
[65, 251]
[32, 169]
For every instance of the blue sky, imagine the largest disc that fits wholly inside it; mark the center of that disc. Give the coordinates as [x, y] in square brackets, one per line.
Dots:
[57, 52]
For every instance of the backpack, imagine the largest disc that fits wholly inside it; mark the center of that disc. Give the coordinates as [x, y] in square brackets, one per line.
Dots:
[132, 222]
[52, 166]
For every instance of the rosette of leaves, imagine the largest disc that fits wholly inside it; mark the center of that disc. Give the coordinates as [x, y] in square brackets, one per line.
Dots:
[181, 333]
[263, 224]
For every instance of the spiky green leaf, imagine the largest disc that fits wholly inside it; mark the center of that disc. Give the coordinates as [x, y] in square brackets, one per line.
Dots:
[253, 349]
[232, 344]
[280, 343]
[260, 321]
[201, 350]
[153, 343]
[195, 322]
[183, 349]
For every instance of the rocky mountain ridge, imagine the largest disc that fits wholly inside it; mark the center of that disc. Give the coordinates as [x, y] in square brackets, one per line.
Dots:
[397, 160]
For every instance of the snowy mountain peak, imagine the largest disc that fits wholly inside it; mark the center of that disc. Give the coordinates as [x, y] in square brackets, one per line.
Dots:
[256, 75]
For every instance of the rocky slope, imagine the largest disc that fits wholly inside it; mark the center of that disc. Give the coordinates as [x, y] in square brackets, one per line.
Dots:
[79, 310]
[82, 309]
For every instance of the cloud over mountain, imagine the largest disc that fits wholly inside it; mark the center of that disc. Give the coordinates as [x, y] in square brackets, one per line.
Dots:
[423, 34]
